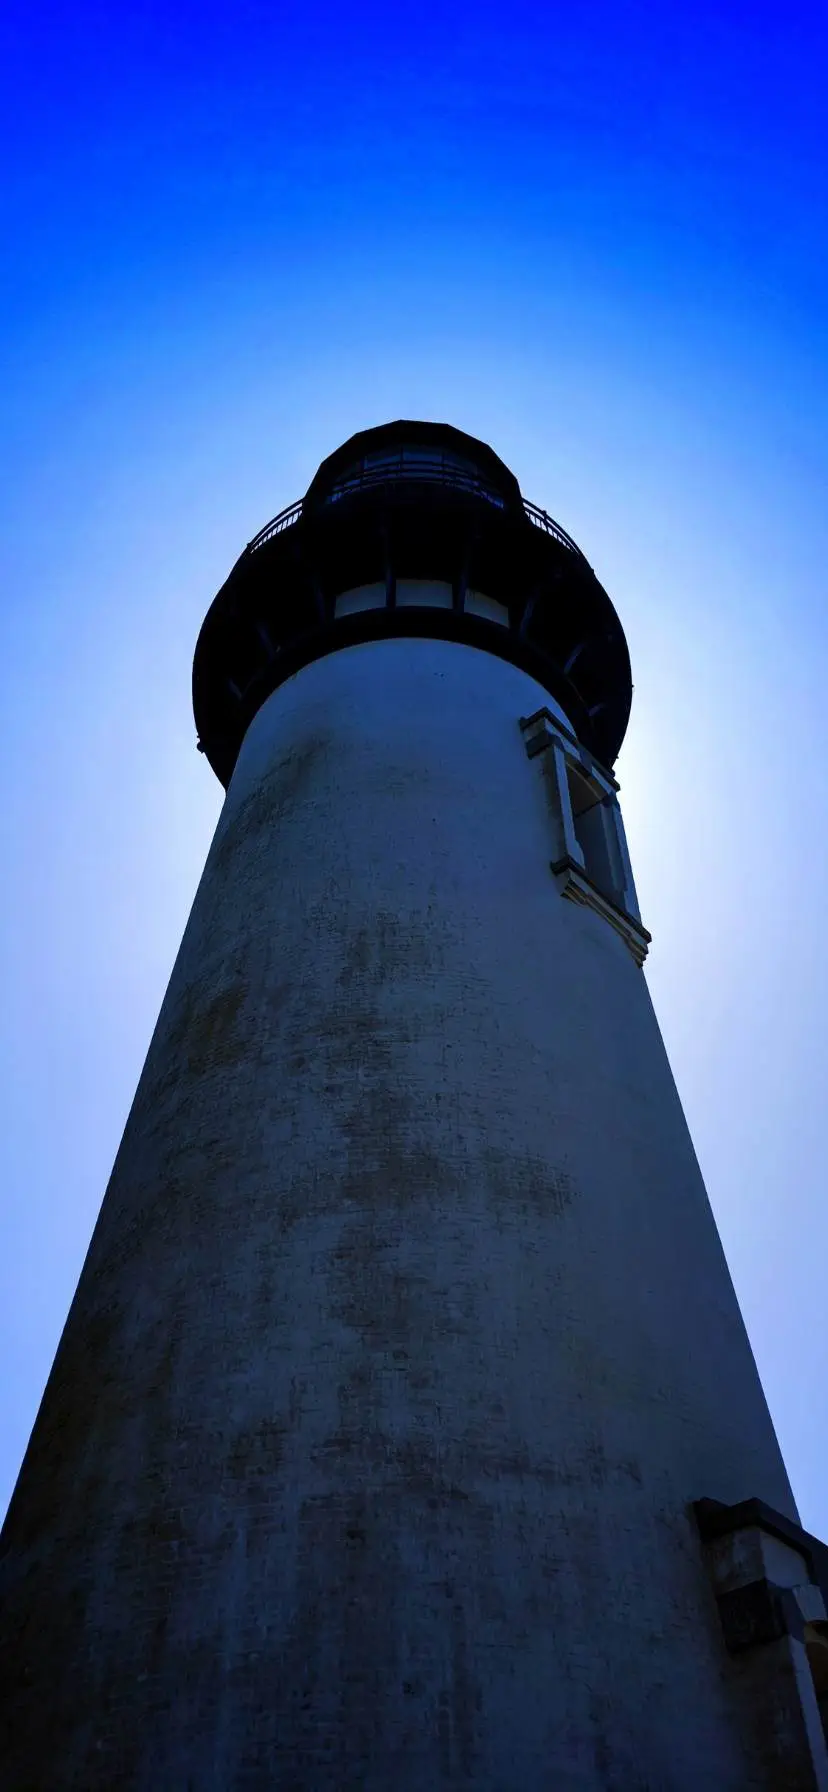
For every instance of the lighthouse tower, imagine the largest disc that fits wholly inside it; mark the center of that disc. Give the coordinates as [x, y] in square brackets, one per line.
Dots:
[404, 1432]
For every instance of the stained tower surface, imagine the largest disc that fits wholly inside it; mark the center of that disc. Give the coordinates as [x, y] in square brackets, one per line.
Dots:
[404, 1432]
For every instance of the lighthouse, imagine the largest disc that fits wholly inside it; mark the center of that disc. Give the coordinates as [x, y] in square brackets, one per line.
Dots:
[404, 1432]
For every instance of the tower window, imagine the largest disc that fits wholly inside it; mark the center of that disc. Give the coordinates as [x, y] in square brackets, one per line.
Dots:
[361, 597]
[589, 860]
[478, 604]
[433, 594]
[596, 833]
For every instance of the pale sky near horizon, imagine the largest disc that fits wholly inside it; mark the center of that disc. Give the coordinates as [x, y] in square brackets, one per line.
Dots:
[601, 245]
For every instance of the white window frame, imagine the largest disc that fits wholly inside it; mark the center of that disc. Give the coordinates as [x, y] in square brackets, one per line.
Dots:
[544, 733]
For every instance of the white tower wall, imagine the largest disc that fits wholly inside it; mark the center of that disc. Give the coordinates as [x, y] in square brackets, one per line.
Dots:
[405, 1340]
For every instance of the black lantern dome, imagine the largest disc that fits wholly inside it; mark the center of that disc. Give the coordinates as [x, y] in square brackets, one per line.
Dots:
[411, 502]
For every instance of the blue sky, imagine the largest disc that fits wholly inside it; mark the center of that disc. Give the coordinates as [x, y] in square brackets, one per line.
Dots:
[229, 239]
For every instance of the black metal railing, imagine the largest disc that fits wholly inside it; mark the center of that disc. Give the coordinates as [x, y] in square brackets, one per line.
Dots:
[414, 465]
[542, 520]
[277, 523]
[414, 469]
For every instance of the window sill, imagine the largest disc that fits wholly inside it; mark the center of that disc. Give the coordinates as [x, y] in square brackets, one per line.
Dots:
[573, 882]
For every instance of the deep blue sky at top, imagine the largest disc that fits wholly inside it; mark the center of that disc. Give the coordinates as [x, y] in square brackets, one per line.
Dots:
[151, 147]
[597, 237]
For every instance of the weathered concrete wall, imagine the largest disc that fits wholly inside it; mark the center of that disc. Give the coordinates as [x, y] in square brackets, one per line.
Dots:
[405, 1336]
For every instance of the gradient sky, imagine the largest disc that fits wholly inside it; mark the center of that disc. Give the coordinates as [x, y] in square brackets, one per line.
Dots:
[231, 237]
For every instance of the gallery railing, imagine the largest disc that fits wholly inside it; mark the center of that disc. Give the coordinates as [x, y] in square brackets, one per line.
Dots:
[419, 469]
